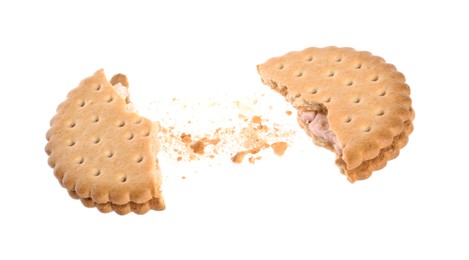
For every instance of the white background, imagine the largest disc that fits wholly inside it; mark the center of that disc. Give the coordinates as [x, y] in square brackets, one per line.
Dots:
[296, 207]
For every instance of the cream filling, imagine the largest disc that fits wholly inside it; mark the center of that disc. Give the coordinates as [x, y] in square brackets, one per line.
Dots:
[319, 126]
[123, 92]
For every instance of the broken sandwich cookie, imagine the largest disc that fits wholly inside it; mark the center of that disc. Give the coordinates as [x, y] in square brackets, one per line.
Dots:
[102, 151]
[351, 102]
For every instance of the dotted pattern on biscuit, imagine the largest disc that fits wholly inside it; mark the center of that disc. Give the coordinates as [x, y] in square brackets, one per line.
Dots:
[102, 153]
[367, 100]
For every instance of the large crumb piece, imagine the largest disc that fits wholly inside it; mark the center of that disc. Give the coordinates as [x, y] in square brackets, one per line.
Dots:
[279, 148]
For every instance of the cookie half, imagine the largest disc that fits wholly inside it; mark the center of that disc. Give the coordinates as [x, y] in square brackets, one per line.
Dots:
[102, 151]
[351, 102]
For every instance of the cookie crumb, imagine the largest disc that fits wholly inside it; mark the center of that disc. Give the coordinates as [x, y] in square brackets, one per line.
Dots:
[214, 141]
[288, 112]
[256, 119]
[239, 156]
[186, 138]
[253, 159]
[279, 148]
[198, 147]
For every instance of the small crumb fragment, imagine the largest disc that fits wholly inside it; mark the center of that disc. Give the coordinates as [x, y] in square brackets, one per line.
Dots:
[256, 119]
[239, 157]
[253, 159]
[198, 147]
[214, 141]
[179, 158]
[288, 112]
[183, 177]
[186, 138]
[279, 148]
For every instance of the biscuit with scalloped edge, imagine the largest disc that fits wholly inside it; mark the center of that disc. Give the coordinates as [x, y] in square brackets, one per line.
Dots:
[366, 102]
[104, 153]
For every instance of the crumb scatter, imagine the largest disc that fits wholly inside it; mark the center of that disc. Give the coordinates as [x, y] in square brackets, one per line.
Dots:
[220, 130]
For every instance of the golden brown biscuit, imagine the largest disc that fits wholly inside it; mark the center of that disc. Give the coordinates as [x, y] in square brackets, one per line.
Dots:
[102, 152]
[349, 101]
